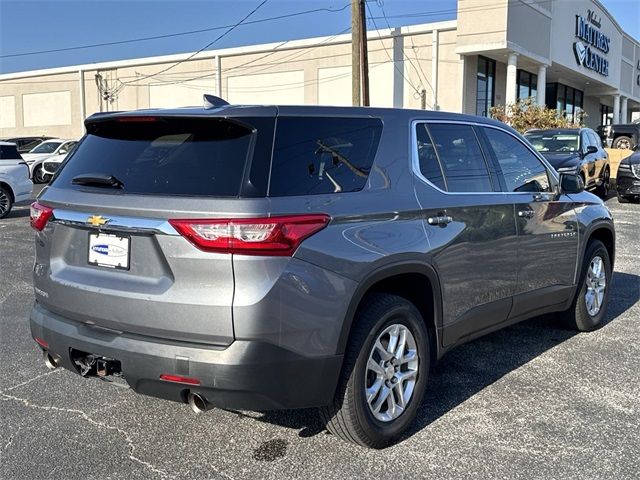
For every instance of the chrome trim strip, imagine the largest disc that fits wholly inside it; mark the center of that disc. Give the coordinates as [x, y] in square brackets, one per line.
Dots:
[116, 223]
[415, 162]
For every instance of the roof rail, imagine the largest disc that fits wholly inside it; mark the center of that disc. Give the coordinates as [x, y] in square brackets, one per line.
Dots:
[211, 101]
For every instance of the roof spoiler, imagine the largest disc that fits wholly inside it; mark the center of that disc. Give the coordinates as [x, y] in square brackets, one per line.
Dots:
[211, 101]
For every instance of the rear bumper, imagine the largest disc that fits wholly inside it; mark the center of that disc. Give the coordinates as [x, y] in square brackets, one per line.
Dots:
[249, 375]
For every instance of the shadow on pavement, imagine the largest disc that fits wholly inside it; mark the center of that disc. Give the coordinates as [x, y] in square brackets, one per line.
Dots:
[468, 369]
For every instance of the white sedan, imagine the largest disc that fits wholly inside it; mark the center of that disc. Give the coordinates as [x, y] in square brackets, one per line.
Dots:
[15, 184]
[42, 152]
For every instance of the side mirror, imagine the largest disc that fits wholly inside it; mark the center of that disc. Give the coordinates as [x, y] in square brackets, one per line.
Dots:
[592, 149]
[571, 183]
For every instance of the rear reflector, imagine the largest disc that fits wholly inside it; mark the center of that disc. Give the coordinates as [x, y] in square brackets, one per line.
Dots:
[275, 236]
[179, 379]
[40, 215]
[41, 342]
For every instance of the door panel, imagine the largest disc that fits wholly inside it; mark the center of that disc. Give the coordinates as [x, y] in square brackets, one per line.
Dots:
[472, 235]
[476, 259]
[546, 224]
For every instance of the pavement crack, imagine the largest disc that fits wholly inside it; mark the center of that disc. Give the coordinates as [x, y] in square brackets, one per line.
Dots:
[26, 382]
[132, 447]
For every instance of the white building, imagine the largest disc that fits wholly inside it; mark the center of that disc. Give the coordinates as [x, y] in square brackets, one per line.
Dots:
[570, 55]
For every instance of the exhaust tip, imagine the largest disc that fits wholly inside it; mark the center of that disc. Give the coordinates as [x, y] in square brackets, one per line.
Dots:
[198, 403]
[51, 361]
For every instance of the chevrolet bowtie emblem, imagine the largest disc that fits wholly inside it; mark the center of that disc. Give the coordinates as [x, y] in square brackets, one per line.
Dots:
[97, 220]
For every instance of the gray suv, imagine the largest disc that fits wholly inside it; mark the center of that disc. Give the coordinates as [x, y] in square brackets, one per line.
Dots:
[263, 257]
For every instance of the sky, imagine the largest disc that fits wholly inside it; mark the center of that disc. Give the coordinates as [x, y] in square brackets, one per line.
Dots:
[32, 26]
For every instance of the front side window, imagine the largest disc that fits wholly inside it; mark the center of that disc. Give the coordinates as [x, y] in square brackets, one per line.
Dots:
[521, 169]
[595, 140]
[316, 155]
[461, 158]
[9, 152]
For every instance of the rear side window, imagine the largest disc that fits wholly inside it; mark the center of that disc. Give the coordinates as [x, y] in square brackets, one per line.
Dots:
[314, 155]
[427, 158]
[461, 158]
[522, 170]
[172, 156]
[9, 152]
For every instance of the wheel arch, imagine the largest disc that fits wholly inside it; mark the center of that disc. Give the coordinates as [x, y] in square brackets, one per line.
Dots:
[604, 232]
[407, 280]
[7, 187]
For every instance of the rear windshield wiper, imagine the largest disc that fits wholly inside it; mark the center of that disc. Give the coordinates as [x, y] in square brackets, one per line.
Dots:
[97, 180]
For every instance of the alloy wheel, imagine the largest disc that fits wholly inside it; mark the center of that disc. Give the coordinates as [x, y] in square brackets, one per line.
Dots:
[4, 202]
[596, 281]
[391, 373]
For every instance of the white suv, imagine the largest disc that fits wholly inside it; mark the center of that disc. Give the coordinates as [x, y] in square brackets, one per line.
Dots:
[15, 184]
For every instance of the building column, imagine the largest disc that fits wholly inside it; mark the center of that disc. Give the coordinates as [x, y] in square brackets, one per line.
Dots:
[398, 68]
[512, 87]
[623, 110]
[542, 85]
[616, 109]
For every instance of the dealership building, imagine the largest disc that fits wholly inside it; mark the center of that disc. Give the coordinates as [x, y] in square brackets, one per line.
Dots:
[570, 55]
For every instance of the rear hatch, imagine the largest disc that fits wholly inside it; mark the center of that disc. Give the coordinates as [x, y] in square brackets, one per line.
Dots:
[109, 251]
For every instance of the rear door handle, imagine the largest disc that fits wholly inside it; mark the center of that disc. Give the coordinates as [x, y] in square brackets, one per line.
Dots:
[526, 213]
[442, 220]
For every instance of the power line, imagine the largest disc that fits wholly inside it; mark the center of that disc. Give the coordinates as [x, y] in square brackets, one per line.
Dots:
[380, 4]
[252, 22]
[389, 56]
[170, 35]
[226, 32]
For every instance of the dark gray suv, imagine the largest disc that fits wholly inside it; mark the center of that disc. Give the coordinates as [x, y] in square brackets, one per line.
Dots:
[263, 257]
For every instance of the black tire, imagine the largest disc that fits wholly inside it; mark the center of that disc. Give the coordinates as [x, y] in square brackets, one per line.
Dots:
[578, 316]
[623, 142]
[603, 189]
[622, 199]
[38, 175]
[6, 202]
[349, 416]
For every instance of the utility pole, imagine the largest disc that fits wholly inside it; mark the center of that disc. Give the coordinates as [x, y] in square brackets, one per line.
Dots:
[364, 55]
[359, 55]
[356, 34]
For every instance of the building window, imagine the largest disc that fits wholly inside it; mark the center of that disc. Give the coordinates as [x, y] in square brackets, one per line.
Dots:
[606, 115]
[485, 86]
[567, 101]
[527, 84]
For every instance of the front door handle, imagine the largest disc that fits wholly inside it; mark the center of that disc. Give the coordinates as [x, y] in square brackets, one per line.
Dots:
[442, 220]
[526, 213]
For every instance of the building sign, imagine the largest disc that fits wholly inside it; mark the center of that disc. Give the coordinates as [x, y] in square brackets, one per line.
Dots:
[592, 45]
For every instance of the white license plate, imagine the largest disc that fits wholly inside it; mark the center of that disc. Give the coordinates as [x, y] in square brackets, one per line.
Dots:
[111, 251]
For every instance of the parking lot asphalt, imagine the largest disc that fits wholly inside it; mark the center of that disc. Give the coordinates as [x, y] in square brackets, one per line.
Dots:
[531, 401]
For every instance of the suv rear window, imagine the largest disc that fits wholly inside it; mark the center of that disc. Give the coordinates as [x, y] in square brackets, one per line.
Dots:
[9, 152]
[174, 155]
[315, 155]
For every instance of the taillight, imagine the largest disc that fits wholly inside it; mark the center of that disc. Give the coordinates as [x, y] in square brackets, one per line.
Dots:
[276, 236]
[40, 215]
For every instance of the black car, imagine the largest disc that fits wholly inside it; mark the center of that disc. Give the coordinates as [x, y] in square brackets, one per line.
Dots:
[575, 150]
[628, 178]
[26, 144]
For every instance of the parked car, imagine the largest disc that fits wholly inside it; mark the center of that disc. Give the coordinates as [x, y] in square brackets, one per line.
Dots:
[26, 144]
[15, 185]
[578, 151]
[43, 152]
[623, 135]
[207, 257]
[628, 178]
[51, 164]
